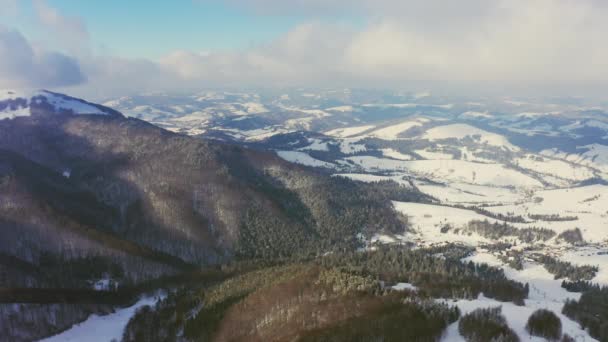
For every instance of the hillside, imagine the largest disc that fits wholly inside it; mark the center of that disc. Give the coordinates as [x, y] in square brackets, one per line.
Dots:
[111, 197]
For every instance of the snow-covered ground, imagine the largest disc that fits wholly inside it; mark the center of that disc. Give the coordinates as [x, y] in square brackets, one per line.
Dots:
[463, 154]
[389, 152]
[461, 131]
[588, 203]
[57, 102]
[349, 131]
[304, 159]
[516, 316]
[102, 328]
[545, 293]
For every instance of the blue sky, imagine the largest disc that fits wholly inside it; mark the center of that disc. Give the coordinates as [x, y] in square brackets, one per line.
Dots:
[151, 29]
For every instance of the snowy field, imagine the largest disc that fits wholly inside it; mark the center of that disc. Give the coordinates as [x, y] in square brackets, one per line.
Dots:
[459, 164]
[102, 328]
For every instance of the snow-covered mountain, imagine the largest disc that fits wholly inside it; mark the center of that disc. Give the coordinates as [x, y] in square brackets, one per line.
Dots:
[23, 103]
[537, 169]
[520, 185]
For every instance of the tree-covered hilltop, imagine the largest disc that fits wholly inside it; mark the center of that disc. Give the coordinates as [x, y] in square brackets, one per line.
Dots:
[337, 297]
[299, 301]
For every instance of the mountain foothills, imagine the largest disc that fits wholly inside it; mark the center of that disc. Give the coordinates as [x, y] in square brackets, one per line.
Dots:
[313, 215]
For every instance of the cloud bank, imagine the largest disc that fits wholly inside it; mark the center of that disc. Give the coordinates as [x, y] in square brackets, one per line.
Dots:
[536, 43]
[22, 65]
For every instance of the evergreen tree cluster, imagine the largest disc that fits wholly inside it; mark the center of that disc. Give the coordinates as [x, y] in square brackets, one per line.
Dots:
[483, 325]
[591, 311]
[563, 269]
[440, 274]
[546, 324]
[497, 231]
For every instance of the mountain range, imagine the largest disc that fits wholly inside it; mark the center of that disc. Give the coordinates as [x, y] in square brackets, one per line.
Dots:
[248, 205]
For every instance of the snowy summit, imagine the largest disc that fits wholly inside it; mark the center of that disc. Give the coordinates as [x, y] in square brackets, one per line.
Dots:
[23, 103]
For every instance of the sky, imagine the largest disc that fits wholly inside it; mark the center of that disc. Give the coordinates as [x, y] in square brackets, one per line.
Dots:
[113, 48]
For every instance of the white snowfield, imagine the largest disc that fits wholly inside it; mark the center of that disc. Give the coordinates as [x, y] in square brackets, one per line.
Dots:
[393, 132]
[588, 203]
[594, 155]
[590, 256]
[433, 155]
[304, 159]
[517, 318]
[102, 328]
[389, 152]
[464, 193]
[557, 168]
[315, 145]
[450, 170]
[343, 109]
[59, 103]
[474, 115]
[351, 145]
[461, 131]
[545, 293]
[427, 220]
[389, 132]
[349, 131]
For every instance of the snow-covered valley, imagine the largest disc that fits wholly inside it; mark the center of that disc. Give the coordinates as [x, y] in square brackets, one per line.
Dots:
[524, 191]
[473, 175]
[104, 328]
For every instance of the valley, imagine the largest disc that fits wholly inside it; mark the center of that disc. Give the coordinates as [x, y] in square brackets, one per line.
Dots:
[320, 197]
[487, 187]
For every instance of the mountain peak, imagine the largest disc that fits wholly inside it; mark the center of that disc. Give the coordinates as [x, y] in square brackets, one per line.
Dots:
[30, 102]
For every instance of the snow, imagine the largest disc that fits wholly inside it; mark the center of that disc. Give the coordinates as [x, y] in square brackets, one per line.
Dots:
[101, 328]
[362, 177]
[545, 293]
[590, 256]
[463, 193]
[450, 170]
[351, 145]
[421, 95]
[343, 109]
[315, 145]
[349, 131]
[388, 152]
[304, 159]
[105, 284]
[404, 286]
[476, 115]
[516, 316]
[428, 219]
[374, 164]
[553, 167]
[392, 132]
[595, 155]
[254, 108]
[58, 102]
[433, 155]
[460, 131]
[253, 134]
[406, 105]
[468, 172]
[588, 203]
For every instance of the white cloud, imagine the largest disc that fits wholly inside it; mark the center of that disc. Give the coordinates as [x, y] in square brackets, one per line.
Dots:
[22, 65]
[9, 7]
[533, 43]
[63, 30]
[509, 41]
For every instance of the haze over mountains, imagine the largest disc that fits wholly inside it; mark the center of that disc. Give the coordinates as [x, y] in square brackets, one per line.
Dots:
[289, 200]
